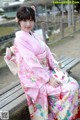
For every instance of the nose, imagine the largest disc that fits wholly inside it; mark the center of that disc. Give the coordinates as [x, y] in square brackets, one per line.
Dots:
[27, 23]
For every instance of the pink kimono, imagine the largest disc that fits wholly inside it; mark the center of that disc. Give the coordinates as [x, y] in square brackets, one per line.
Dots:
[36, 66]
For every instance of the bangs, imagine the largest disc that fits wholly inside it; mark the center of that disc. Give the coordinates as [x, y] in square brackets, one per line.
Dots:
[26, 13]
[27, 16]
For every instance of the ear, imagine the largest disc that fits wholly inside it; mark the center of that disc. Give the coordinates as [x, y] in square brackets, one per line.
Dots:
[33, 7]
[16, 19]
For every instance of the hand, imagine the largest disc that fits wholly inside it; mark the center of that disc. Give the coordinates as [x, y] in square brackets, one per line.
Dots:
[53, 82]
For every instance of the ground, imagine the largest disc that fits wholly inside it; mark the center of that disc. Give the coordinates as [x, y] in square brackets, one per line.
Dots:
[69, 46]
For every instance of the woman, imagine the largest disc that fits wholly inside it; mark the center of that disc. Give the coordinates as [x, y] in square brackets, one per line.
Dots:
[51, 94]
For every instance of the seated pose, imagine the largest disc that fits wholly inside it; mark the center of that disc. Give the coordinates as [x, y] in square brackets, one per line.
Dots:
[51, 94]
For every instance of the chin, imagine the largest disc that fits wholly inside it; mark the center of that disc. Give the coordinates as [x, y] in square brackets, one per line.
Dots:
[28, 30]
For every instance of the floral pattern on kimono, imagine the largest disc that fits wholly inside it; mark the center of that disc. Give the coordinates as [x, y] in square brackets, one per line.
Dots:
[36, 66]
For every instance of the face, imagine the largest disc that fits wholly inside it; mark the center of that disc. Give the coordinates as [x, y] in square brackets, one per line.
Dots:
[27, 25]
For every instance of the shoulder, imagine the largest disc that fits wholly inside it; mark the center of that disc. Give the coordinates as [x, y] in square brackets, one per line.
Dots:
[19, 33]
[20, 36]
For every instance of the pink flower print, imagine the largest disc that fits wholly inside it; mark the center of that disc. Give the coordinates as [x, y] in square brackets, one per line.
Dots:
[32, 72]
[59, 107]
[56, 76]
[74, 107]
[29, 101]
[28, 76]
[31, 115]
[73, 83]
[51, 103]
[20, 72]
[71, 98]
[57, 69]
[62, 77]
[34, 108]
[25, 88]
[51, 100]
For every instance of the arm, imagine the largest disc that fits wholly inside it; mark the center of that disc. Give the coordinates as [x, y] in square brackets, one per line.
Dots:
[51, 60]
[36, 75]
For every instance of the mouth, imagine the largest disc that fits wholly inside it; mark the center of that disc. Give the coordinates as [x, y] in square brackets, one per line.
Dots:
[28, 27]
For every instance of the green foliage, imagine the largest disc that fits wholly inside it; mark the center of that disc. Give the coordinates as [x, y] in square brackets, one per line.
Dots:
[7, 30]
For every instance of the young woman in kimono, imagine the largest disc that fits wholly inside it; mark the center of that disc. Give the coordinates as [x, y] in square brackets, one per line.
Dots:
[51, 94]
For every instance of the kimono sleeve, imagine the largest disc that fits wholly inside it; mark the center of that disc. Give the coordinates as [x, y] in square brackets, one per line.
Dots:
[51, 60]
[36, 76]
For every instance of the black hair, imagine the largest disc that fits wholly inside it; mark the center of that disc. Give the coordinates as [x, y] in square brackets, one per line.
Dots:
[25, 13]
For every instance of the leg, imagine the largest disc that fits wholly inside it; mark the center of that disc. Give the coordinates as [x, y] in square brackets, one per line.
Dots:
[39, 109]
[65, 107]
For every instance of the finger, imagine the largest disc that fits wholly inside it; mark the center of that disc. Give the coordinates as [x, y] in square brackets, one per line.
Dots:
[57, 84]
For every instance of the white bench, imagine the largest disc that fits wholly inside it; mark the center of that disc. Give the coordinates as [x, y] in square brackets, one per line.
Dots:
[13, 98]
[67, 63]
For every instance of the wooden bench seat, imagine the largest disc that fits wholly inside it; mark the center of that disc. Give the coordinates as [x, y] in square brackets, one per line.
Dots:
[67, 63]
[12, 97]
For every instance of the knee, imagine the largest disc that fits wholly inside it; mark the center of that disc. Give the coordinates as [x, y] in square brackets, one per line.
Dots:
[74, 85]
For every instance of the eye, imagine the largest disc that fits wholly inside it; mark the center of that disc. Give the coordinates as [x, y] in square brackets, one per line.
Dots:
[24, 20]
[31, 20]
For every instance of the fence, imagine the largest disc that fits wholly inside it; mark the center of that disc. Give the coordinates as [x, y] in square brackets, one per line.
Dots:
[54, 26]
[58, 28]
[6, 38]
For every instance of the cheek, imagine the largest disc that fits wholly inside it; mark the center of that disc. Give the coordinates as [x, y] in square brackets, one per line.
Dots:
[32, 24]
[22, 26]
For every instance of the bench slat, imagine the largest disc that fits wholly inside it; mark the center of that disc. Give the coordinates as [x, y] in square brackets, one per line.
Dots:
[71, 65]
[2, 91]
[68, 61]
[11, 98]
[15, 104]
[63, 60]
[10, 92]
